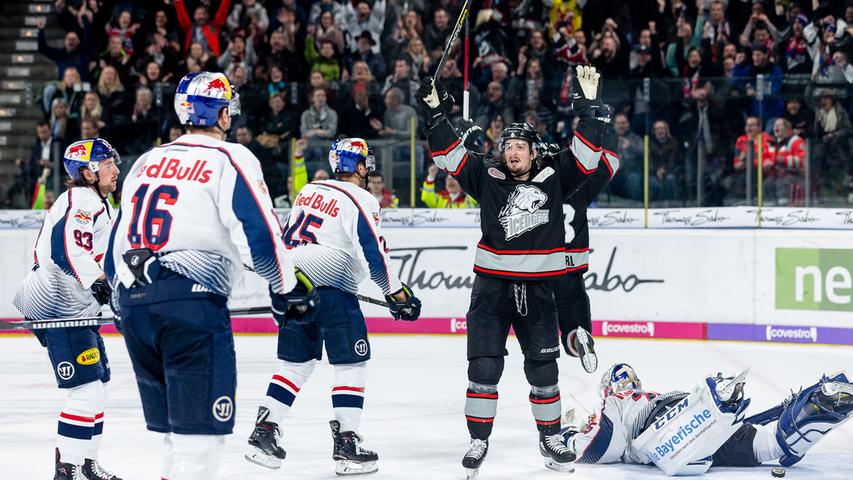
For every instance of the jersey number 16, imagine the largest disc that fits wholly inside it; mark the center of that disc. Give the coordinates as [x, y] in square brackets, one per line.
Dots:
[151, 229]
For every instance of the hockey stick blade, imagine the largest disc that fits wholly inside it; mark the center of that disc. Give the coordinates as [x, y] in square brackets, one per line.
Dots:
[453, 36]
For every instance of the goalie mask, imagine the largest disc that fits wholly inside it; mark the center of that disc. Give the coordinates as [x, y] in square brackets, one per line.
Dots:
[619, 378]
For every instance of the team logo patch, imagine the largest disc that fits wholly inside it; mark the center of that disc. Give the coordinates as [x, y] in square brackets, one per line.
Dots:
[262, 186]
[360, 348]
[79, 151]
[522, 211]
[376, 218]
[494, 172]
[223, 408]
[89, 357]
[83, 217]
[65, 370]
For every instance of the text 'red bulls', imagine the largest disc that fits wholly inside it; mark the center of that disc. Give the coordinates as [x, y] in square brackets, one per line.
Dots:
[173, 169]
[317, 202]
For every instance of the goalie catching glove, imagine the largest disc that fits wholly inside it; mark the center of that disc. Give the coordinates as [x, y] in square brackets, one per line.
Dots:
[434, 98]
[408, 310]
[295, 303]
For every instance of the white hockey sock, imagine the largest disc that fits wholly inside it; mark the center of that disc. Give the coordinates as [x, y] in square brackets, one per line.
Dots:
[97, 433]
[195, 457]
[77, 422]
[283, 388]
[169, 458]
[348, 395]
[764, 445]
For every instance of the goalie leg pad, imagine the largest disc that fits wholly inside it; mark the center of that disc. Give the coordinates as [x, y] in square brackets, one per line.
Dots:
[811, 414]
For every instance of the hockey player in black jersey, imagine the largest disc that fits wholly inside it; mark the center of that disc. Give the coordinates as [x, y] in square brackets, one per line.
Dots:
[572, 300]
[521, 248]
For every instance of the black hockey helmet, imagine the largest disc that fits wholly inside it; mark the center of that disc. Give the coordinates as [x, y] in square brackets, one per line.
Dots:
[522, 131]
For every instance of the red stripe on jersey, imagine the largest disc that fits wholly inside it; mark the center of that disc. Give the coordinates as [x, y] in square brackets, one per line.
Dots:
[461, 164]
[587, 142]
[447, 150]
[519, 252]
[575, 269]
[286, 382]
[554, 273]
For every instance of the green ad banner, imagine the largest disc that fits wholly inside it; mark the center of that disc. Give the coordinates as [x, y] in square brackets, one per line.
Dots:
[814, 279]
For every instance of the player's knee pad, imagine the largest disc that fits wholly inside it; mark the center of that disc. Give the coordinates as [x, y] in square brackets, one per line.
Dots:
[195, 457]
[541, 373]
[297, 372]
[351, 374]
[811, 414]
[485, 370]
[86, 398]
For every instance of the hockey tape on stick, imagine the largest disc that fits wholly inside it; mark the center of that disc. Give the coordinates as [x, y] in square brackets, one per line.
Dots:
[455, 34]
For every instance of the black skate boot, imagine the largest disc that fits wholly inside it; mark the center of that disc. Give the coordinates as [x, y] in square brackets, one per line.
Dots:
[263, 443]
[67, 471]
[584, 347]
[92, 470]
[474, 458]
[557, 455]
[350, 457]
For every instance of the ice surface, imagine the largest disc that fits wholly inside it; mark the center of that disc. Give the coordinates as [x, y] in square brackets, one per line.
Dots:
[413, 410]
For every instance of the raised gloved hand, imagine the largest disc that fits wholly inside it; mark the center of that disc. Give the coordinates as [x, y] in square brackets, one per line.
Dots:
[585, 84]
[296, 303]
[435, 99]
[102, 291]
[408, 310]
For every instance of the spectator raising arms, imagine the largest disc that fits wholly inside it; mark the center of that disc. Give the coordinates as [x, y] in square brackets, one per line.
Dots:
[200, 29]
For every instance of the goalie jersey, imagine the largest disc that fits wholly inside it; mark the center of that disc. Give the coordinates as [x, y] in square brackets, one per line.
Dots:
[202, 205]
[67, 256]
[336, 239]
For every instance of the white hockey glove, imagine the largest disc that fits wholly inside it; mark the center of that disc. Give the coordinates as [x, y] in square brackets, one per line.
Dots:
[588, 79]
[585, 86]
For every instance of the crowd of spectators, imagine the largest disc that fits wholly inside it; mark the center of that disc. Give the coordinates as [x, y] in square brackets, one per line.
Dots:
[687, 73]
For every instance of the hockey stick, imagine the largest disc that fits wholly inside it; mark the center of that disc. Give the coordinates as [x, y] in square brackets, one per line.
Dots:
[299, 273]
[456, 29]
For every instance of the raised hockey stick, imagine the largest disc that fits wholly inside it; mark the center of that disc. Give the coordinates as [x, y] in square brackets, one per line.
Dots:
[460, 22]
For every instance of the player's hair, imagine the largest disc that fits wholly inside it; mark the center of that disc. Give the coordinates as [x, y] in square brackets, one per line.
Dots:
[79, 182]
[346, 175]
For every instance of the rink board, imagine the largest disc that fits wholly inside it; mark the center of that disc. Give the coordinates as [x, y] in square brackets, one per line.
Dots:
[777, 285]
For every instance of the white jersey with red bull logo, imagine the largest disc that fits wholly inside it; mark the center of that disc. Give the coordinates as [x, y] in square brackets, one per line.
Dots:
[609, 432]
[67, 255]
[335, 236]
[202, 206]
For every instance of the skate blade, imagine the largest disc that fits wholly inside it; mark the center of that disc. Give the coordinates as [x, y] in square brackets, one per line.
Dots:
[472, 473]
[589, 359]
[347, 467]
[258, 457]
[567, 467]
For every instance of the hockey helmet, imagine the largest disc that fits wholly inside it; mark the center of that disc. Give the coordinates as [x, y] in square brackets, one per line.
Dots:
[87, 153]
[202, 95]
[522, 131]
[619, 378]
[345, 154]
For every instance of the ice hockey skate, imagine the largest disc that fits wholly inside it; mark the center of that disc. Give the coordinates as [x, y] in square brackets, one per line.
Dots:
[350, 457]
[474, 458]
[92, 470]
[264, 449]
[557, 456]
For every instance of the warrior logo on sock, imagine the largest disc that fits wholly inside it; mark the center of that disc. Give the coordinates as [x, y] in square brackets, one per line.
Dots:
[65, 370]
[223, 408]
[361, 348]
[521, 213]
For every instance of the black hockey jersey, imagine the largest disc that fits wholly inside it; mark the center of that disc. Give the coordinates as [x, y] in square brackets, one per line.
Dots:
[577, 240]
[521, 221]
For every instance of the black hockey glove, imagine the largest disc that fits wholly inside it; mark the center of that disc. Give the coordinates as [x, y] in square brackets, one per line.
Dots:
[297, 303]
[409, 310]
[434, 98]
[102, 291]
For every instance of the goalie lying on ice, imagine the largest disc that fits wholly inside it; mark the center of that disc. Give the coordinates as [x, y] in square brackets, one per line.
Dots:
[687, 433]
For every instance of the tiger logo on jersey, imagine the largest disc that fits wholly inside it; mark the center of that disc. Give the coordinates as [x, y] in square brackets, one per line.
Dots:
[522, 211]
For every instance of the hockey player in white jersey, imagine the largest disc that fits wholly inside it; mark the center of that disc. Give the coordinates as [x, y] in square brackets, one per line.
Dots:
[66, 282]
[193, 213]
[706, 426]
[335, 236]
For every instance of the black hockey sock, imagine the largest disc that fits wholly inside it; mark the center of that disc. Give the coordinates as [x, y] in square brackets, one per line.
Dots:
[481, 406]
